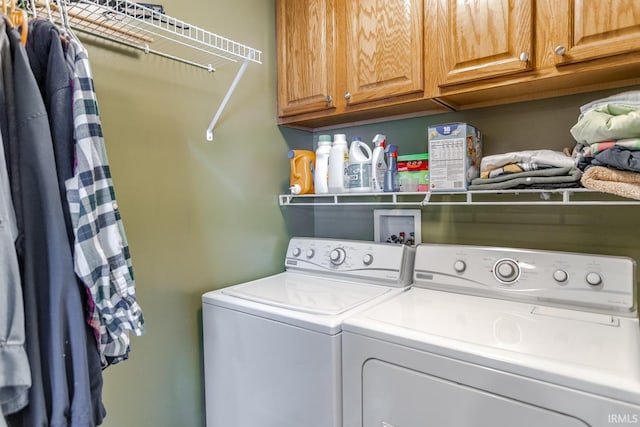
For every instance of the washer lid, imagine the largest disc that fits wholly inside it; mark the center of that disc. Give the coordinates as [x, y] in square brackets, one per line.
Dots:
[305, 293]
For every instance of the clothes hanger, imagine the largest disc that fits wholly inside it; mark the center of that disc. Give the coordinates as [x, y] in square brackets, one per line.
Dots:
[47, 6]
[34, 12]
[19, 19]
[66, 27]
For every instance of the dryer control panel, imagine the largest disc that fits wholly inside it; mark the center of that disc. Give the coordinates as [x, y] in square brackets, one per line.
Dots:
[383, 263]
[594, 282]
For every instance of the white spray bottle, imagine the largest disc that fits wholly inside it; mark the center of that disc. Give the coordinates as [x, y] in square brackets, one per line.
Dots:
[378, 164]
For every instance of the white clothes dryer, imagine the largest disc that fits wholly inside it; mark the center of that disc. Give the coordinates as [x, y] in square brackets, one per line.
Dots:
[498, 337]
[272, 346]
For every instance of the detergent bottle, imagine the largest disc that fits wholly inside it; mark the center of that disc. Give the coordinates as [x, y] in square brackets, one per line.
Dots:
[321, 174]
[339, 165]
[378, 164]
[301, 177]
[391, 183]
[359, 166]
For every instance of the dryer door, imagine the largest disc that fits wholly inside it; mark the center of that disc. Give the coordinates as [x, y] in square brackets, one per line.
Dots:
[394, 396]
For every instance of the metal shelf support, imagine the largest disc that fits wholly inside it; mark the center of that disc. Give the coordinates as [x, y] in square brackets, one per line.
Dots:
[223, 104]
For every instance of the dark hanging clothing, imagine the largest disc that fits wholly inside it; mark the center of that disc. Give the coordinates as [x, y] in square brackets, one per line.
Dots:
[56, 332]
[47, 61]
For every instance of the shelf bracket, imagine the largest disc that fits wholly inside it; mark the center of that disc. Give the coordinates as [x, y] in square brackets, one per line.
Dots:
[223, 104]
[427, 197]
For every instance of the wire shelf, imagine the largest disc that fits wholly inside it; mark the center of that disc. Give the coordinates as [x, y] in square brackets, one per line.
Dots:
[146, 28]
[572, 196]
[149, 30]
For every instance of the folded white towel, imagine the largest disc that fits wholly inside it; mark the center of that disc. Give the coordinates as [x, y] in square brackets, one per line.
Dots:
[541, 157]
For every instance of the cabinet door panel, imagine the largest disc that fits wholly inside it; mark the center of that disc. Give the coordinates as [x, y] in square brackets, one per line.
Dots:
[306, 55]
[383, 49]
[486, 38]
[600, 28]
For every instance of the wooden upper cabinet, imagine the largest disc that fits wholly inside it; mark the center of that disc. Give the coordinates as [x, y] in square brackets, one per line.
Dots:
[597, 29]
[305, 38]
[481, 39]
[383, 49]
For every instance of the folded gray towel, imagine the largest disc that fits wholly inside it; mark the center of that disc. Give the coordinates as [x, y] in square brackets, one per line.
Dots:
[530, 179]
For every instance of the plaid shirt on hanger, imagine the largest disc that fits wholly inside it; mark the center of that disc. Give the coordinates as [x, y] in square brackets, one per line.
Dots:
[101, 258]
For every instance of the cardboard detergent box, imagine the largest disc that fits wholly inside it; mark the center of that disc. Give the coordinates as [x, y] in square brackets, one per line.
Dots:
[455, 151]
[413, 172]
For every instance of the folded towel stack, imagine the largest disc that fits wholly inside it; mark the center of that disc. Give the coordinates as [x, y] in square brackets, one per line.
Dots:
[607, 136]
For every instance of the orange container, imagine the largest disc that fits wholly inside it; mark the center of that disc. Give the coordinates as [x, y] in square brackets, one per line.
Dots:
[301, 177]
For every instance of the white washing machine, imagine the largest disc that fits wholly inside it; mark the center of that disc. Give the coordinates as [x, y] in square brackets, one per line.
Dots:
[498, 337]
[272, 347]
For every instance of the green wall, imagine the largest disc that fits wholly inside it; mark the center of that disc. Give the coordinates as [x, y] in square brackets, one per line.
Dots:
[198, 215]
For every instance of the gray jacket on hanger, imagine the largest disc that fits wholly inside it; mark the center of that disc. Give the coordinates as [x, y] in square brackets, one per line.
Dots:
[15, 377]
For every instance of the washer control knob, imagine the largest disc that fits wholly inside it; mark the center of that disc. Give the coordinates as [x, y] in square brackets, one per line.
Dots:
[594, 279]
[560, 276]
[367, 259]
[337, 256]
[506, 270]
[459, 266]
[310, 253]
[296, 251]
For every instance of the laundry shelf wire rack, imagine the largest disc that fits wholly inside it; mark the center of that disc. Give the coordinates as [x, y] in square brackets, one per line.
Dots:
[148, 28]
[506, 197]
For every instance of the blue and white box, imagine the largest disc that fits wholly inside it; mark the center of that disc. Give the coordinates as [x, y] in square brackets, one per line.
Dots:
[455, 151]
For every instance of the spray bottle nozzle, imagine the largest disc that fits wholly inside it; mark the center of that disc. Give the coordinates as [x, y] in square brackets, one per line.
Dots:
[379, 139]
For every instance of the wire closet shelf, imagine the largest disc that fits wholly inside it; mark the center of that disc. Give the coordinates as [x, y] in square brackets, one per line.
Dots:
[146, 28]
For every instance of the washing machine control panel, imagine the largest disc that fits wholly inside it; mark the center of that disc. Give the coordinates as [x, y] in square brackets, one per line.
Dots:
[353, 259]
[596, 282]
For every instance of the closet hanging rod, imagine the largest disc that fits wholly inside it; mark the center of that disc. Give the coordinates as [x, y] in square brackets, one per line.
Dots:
[151, 31]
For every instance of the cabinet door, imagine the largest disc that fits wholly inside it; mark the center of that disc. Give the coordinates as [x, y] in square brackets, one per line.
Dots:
[306, 55]
[383, 49]
[598, 28]
[485, 38]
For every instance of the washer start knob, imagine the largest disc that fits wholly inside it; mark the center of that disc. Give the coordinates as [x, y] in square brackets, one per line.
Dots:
[506, 270]
[337, 256]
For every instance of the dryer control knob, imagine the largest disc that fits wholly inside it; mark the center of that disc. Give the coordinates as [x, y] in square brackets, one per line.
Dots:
[296, 251]
[560, 276]
[594, 279]
[310, 253]
[367, 259]
[506, 270]
[459, 266]
[337, 256]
